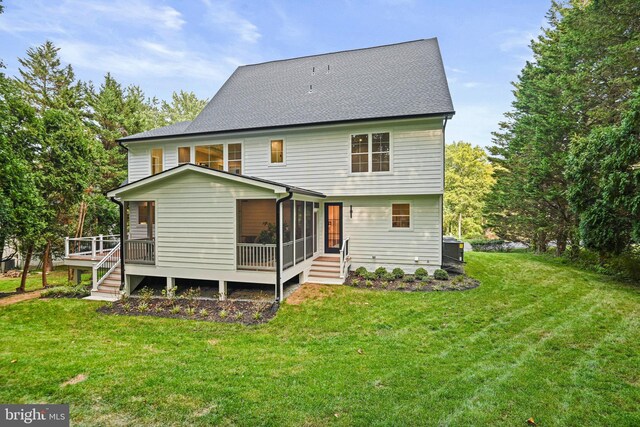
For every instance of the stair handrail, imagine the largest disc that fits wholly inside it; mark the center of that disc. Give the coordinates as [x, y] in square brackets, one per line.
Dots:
[97, 281]
[344, 253]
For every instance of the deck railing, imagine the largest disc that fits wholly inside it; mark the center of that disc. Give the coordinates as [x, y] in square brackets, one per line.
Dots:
[287, 254]
[105, 267]
[93, 246]
[140, 251]
[256, 256]
[345, 260]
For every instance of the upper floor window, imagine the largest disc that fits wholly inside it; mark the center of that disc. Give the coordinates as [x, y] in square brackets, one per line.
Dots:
[211, 156]
[401, 215]
[184, 155]
[235, 158]
[156, 160]
[370, 152]
[277, 151]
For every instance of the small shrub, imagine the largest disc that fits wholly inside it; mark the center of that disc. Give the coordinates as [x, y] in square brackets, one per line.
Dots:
[458, 279]
[257, 315]
[370, 276]
[109, 305]
[361, 271]
[380, 272]
[239, 315]
[440, 274]
[398, 273]
[384, 283]
[401, 286]
[223, 314]
[175, 309]
[421, 274]
[126, 306]
[143, 307]
[145, 295]
[409, 278]
[190, 311]
[389, 277]
[158, 309]
[368, 283]
[204, 312]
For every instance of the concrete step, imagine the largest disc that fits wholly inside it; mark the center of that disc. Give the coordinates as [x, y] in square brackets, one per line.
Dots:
[103, 296]
[324, 280]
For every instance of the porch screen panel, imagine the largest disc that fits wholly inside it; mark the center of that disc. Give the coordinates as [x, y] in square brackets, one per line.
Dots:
[315, 227]
[299, 231]
[287, 234]
[308, 240]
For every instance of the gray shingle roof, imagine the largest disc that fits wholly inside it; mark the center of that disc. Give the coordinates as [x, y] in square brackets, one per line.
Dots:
[173, 129]
[399, 80]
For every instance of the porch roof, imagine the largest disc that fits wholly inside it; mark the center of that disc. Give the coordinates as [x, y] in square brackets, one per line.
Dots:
[277, 187]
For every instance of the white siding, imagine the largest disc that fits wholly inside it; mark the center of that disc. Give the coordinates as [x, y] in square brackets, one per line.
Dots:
[319, 159]
[195, 219]
[371, 233]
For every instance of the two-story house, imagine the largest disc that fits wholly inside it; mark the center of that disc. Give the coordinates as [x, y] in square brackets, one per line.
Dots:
[303, 167]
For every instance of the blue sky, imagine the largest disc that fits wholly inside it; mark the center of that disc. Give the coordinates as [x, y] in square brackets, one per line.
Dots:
[196, 44]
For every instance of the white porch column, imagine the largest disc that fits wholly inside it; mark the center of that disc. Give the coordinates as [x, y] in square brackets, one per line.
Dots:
[171, 284]
[127, 285]
[222, 290]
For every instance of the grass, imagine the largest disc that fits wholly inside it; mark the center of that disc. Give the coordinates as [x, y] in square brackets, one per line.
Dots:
[58, 277]
[536, 339]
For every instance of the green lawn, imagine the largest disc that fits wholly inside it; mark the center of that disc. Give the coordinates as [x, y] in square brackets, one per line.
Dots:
[34, 280]
[536, 339]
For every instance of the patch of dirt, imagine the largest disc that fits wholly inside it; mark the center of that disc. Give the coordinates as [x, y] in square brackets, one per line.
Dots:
[75, 380]
[310, 291]
[411, 284]
[16, 298]
[244, 312]
[13, 274]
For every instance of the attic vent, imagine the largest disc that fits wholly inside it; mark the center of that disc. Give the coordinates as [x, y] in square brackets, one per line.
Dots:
[313, 71]
[310, 88]
[328, 68]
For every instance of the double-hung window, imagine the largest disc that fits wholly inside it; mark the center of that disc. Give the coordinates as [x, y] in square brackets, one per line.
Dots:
[156, 160]
[234, 158]
[401, 215]
[184, 155]
[370, 152]
[276, 154]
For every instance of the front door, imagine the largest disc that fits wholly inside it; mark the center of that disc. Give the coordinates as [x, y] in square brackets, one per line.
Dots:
[332, 227]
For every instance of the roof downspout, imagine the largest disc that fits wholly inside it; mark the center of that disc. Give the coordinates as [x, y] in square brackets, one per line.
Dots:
[123, 146]
[279, 243]
[122, 231]
[444, 128]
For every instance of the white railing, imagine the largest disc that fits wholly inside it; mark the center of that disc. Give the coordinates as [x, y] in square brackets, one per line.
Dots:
[102, 269]
[93, 246]
[345, 260]
[256, 256]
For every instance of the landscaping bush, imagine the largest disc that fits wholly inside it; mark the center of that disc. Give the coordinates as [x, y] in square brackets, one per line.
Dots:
[361, 271]
[389, 277]
[370, 276]
[381, 272]
[79, 291]
[421, 273]
[398, 273]
[441, 274]
[409, 278]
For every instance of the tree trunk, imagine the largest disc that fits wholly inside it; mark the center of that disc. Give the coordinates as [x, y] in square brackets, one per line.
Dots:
[460, 226]
[25, 270]
[45, 263]
[561, 243]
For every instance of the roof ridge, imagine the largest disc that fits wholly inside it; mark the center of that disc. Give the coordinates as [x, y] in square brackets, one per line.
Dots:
[337, 51]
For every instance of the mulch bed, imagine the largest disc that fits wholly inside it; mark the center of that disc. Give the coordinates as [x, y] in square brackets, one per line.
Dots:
[244, 312]
[454, 283]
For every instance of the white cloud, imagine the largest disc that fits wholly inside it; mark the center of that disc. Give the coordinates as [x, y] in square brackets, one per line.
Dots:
[515, 40]
[222, 14]
[471, 84]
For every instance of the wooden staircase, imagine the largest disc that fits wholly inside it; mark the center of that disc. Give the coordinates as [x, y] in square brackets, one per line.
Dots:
[109, 289]
[325, 269]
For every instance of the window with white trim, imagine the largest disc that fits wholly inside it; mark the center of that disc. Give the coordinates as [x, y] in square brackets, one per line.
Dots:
[184, 155]
[277, 152]
[156, 160]
[401, 215]
[234, 158]
[370, 152]
[211, 156]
